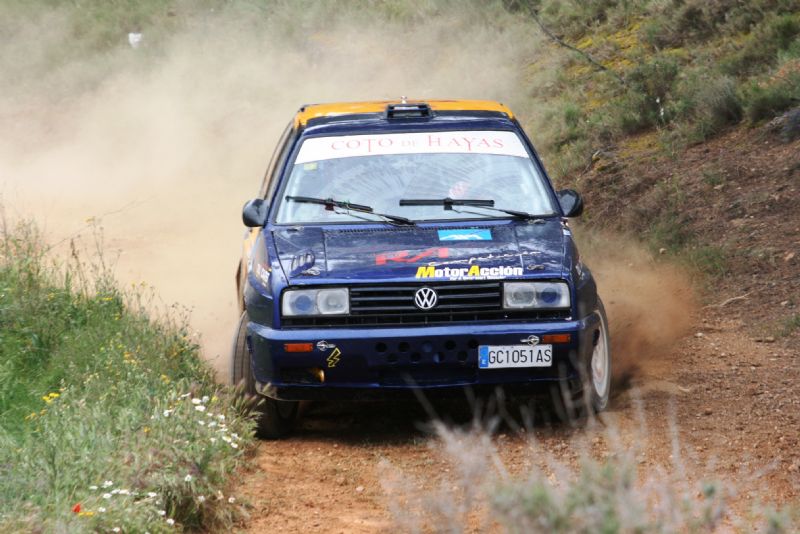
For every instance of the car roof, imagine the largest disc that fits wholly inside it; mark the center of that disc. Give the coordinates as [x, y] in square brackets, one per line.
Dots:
[384, 110]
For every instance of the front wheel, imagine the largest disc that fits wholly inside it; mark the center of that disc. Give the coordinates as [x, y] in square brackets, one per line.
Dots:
[573, 401]
[274, 418]
[600, 364]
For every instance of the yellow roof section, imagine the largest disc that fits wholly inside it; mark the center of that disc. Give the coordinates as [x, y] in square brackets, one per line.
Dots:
[316, 111]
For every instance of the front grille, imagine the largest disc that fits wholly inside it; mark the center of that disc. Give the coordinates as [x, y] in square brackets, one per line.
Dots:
[458, 302]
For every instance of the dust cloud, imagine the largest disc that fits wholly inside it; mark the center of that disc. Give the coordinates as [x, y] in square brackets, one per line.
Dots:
[162, 144]
[650, 303]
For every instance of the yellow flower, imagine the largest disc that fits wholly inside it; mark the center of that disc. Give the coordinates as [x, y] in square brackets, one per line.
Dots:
[146, 429]
[50, 397]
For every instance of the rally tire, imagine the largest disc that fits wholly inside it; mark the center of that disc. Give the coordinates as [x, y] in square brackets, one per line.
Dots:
[599, 372]
[574, 401]
[274, 418]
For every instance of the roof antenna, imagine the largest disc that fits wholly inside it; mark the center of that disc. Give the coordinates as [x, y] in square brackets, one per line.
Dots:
[403, 100]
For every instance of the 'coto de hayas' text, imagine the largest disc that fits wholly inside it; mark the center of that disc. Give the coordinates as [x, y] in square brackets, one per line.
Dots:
[370, 145]
[455, 142]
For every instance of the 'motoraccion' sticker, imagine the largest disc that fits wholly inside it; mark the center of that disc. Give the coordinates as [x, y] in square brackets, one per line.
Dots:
[461, 142]
[473, 272]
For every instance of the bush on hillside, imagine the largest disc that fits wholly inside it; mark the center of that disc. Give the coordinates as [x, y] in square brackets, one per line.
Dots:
[765, 100]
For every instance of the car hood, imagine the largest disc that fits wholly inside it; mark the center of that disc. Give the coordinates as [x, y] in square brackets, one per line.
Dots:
[512, 250]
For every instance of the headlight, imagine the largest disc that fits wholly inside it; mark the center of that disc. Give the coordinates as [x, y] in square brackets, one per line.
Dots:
[316, 302]
[540, 295]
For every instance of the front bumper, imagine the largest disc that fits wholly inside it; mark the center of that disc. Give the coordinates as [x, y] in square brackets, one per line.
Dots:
[356, 363]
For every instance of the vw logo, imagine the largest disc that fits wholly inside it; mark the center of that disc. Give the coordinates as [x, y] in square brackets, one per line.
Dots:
[531, 340]
[425, 298]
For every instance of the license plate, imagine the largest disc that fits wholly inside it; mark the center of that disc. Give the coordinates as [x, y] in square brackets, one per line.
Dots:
[504, 356]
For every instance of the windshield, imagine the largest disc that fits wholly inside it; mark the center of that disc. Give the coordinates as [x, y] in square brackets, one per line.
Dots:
[380, 169]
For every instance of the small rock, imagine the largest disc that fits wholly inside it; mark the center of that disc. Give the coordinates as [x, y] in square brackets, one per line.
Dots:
[662, 250]
[708, 411]
[769, 339]
[788, 256]
[699, 335]
[359, 489]
[784, 303]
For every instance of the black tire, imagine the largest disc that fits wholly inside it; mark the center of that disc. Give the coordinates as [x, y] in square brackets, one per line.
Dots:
[573, 401]
[600, 393]
[274, 418]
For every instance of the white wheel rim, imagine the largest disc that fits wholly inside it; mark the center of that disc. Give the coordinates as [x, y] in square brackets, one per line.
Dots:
[600, 374]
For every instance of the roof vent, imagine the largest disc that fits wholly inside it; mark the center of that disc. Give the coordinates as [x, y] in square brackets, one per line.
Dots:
[405, 110]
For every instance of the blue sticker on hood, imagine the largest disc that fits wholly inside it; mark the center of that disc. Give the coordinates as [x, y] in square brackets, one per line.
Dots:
[465, 234]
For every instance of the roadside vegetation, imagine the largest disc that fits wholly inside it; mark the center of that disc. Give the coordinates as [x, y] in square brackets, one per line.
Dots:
[599, 492]
[109, 420]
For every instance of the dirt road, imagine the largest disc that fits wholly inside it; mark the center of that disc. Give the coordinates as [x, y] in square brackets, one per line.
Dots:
[734, 400]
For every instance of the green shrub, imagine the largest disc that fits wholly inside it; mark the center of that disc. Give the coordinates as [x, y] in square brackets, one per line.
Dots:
[760, 51]
[708, 102]
[765, 101]
[108, 419]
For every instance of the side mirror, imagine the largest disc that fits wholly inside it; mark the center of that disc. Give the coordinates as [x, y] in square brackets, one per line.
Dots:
[254, 213]
[571, 202]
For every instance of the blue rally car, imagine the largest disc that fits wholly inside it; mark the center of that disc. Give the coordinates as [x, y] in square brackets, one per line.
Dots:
[406, 245]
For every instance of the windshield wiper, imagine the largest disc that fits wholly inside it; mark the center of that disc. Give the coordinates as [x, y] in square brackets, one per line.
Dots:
[331, 203]
[448, 204]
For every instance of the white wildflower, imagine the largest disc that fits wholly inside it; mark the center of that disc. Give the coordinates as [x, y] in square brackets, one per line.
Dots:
[226, 439]
[170, 521]
[166, 413]
[201, 498]
[114, 491]
[92, 488]
[101, 510]
[235, 435]
[107, 484]
[106, 495]
[213, 440]
[184, 395]
[231, 500]
[195, 401]
[235, 445]
[200, 408]
[152, 494]
[205, 399]
[162, 512]
[115, 529]
[124, 492]
[221, 417]
[188, 478]
[212, 424]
